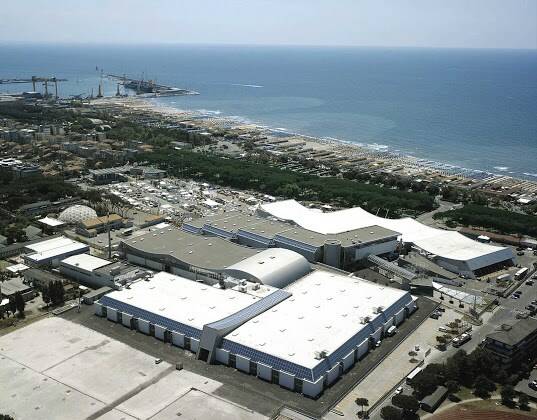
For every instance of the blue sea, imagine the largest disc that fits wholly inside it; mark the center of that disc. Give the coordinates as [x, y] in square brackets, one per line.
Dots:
[472, 108]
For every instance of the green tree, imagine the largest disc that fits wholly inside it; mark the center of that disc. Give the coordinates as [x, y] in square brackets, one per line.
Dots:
[20, 304]
[484, 387]
[424, 384]
[6, 417]
[391, 413]
[56, 292]
[12, 305]
[45, 294]
[407, 403]
[453, 386]
[507, 393]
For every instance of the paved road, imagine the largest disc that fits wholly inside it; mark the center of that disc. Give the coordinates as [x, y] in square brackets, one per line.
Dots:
[427, 218]
[504, 313]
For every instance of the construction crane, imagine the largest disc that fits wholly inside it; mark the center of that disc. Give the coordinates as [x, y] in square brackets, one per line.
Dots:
[45, 81]
[34, 80]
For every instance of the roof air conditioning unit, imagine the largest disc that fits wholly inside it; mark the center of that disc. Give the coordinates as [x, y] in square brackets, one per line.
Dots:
[319, 355]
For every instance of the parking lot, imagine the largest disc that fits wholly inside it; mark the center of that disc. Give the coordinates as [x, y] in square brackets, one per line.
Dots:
[56, 369]
[246, 390]
[396, 366]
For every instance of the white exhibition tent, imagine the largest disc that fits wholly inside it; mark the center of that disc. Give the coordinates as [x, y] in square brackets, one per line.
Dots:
[445, 244]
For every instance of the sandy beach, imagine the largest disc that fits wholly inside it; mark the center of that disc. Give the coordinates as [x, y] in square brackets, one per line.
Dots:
[326, 150]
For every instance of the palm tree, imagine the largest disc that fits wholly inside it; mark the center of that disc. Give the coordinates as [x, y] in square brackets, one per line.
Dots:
[363, 402]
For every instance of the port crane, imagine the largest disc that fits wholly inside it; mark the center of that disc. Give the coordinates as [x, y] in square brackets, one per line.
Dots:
[37, 79]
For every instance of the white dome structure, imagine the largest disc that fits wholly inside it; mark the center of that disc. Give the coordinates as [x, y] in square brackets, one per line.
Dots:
[276, 267]
[77, 213]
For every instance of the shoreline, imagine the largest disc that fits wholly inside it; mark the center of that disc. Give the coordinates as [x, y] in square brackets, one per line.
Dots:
[280, 140]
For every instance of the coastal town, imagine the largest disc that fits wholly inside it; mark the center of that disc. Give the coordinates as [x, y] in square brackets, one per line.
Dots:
[159, 252]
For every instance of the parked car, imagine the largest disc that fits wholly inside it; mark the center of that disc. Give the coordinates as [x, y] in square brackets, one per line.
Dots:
[533, 385]
[434, 315]
[520, 253]
[398, 390]
[391, 331]
[515, 296]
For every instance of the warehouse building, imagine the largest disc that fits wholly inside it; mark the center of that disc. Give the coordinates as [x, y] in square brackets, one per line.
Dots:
[175, 309]
[97, 272]
[50, 252]
[308, 341]
[339, 250]
[448, 249]
[95, 225]
[302, 337]
[178, 252]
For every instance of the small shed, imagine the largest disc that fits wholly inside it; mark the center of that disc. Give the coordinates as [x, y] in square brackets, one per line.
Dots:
[431, 402]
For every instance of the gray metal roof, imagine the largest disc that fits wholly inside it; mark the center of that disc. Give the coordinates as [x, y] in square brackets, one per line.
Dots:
[515, 333]
[206, 252]
[235, 221]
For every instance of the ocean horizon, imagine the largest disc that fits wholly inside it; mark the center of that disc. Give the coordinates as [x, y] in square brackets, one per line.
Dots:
[473, 108]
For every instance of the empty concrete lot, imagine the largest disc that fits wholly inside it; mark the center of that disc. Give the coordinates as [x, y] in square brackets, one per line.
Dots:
[57, 369]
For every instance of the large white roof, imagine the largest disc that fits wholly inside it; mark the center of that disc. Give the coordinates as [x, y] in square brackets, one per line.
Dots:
[54, 247]
[86, 262]
[50, 244]
[275, 267]
[323, 313]
[50, 221]
[443, 243]
[185, 301]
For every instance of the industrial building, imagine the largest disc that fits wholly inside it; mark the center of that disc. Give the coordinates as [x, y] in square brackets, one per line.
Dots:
[95, 225]
[338, 250]
[448, 249]
[178, 252]
[51, 251]
[12, 287]
[512, 344]
[97, 272]
[302, 337]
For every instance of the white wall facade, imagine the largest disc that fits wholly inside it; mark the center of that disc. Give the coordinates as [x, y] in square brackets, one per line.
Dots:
[287, 380]
[333, 374]
[242, 363]
[159, 332]
[222, 356]
[178, 339]
[313, 389]
[375, 249]
[126, 320]
[143, 326]
[264, 371]
[348, 360]
[362, 348]
[111, 314]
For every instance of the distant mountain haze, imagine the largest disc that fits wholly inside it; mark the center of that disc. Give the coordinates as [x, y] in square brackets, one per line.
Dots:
[408, 23]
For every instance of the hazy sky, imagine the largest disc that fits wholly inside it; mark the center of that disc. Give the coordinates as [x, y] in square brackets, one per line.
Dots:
[437, 23]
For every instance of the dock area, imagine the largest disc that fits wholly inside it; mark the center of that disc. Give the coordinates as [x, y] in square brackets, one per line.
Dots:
[150, 87]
